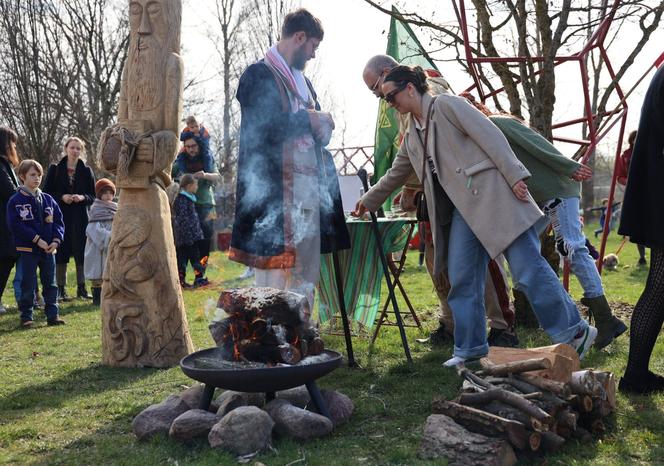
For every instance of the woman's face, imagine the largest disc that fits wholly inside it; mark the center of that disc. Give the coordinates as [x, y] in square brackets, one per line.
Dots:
[74, 149]
[396, 96]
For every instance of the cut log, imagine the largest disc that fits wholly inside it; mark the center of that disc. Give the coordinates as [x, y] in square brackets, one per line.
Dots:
[444, 438]
[582, 403]
[315, 346]
[586, 383]
[514, 367]
[608, 381]
[583, 435]
[551, 442]
[564, 359]
[484, 423]
[283, 307]
[567, 419]
[557, 388]
[513, 414]
[512, 399]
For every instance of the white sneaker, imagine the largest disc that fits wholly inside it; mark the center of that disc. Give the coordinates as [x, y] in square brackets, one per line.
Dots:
[454, 362]
[248, 273]
[583, 342]
[2, 308]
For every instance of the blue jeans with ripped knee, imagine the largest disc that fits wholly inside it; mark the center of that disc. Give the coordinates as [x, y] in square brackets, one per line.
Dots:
[566, 223]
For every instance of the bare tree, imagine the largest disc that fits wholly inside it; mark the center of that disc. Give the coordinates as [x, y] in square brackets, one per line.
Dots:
[62, 75]
[531, 28]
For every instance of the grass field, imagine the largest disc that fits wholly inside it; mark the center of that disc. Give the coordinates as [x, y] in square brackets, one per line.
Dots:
[59, 405]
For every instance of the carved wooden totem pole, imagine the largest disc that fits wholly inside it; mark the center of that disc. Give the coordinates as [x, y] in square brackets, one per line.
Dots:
[143, 317]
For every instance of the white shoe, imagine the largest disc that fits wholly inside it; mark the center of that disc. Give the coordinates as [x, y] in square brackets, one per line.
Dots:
[583, 342]
[248, 273]
[2, 309]
[454, 362]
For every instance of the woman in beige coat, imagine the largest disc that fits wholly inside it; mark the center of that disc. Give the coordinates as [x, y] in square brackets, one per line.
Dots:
[476, 199]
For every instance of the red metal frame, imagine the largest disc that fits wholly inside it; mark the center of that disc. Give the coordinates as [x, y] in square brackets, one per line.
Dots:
[595, 135]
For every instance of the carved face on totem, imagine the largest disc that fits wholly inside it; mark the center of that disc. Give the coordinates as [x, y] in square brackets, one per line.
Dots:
[154, 35]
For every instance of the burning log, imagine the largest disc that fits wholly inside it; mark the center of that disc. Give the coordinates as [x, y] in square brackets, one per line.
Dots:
[266, 325]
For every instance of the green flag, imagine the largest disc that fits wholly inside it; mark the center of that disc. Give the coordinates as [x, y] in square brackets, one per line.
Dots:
[403, 46]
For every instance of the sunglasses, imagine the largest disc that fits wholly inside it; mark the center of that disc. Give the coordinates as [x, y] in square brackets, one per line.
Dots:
[374, 88]
[390, 96]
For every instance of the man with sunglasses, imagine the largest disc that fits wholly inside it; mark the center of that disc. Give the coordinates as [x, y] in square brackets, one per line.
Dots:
[496, 296]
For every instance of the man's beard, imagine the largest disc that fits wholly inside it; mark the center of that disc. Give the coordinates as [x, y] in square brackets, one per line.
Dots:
[299, 59]
[145, 77]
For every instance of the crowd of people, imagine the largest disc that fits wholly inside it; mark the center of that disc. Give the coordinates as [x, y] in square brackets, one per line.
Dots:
[71, 217]
[470, 162]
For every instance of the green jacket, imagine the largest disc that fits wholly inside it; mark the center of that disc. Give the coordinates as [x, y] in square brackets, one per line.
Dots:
[550, 169]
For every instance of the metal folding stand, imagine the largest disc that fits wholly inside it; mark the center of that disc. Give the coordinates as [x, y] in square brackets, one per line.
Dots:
[396, 268]
[342, 310]
[362, 173]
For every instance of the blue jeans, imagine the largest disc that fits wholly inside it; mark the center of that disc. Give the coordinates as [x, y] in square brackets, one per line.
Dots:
[29, 261]
[564, 218]
[467, 265]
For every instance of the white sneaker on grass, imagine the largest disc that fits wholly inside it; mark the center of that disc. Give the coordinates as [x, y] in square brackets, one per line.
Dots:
[584, 340]
[2, 308]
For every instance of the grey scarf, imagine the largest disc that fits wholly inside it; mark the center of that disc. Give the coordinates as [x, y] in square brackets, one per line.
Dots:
[101, 211]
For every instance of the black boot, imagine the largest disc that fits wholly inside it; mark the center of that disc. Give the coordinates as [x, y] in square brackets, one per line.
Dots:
[62, 294]
[96, 296]
[608, 326]
[82, 292]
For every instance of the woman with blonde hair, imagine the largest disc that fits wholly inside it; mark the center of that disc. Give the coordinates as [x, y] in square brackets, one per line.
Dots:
[72, 184]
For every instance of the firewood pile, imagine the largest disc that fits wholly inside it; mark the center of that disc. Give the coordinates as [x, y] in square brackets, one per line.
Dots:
[530, 412]
[265, 325]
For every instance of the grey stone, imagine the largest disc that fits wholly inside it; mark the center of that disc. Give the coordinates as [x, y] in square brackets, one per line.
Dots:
[158, 418]
[341, 407]
[192, 424]
[297, 423]
[192, 395]
[229, 403]
[252, 399]
[298, 396]
[444, 438]
[244, 430]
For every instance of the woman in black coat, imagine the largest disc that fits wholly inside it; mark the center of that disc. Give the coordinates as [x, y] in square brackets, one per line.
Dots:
[8, 186]
[643, 221]
[72, 184]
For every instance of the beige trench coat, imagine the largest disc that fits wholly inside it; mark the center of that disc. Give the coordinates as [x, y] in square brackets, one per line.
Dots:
[475, 166]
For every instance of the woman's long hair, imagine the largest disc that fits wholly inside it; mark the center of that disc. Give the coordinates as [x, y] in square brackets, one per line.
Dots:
[7, 150]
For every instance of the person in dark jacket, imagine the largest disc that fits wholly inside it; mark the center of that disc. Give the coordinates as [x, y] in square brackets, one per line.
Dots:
[642, 220]
[72, 184]
[8, 186]
[288, 208]
[187, 230]
[36, 224]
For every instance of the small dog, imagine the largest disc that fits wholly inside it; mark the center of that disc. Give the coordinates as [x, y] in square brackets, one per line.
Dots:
[610, 262]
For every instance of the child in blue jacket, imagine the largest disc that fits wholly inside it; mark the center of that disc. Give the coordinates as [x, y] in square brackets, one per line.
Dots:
[35, 221]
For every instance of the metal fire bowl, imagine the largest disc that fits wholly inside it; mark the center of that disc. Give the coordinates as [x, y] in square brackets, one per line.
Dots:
[263, 379]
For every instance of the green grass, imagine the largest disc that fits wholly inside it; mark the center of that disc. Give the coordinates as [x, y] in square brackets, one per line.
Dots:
[59, 405]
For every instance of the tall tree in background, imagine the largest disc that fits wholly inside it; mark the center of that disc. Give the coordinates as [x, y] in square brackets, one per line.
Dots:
[62, 62]
[545, 28]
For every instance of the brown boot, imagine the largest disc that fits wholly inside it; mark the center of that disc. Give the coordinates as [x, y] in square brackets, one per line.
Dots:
[608, 326]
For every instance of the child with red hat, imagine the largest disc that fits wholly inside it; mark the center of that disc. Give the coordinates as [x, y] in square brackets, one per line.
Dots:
[98, 233]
